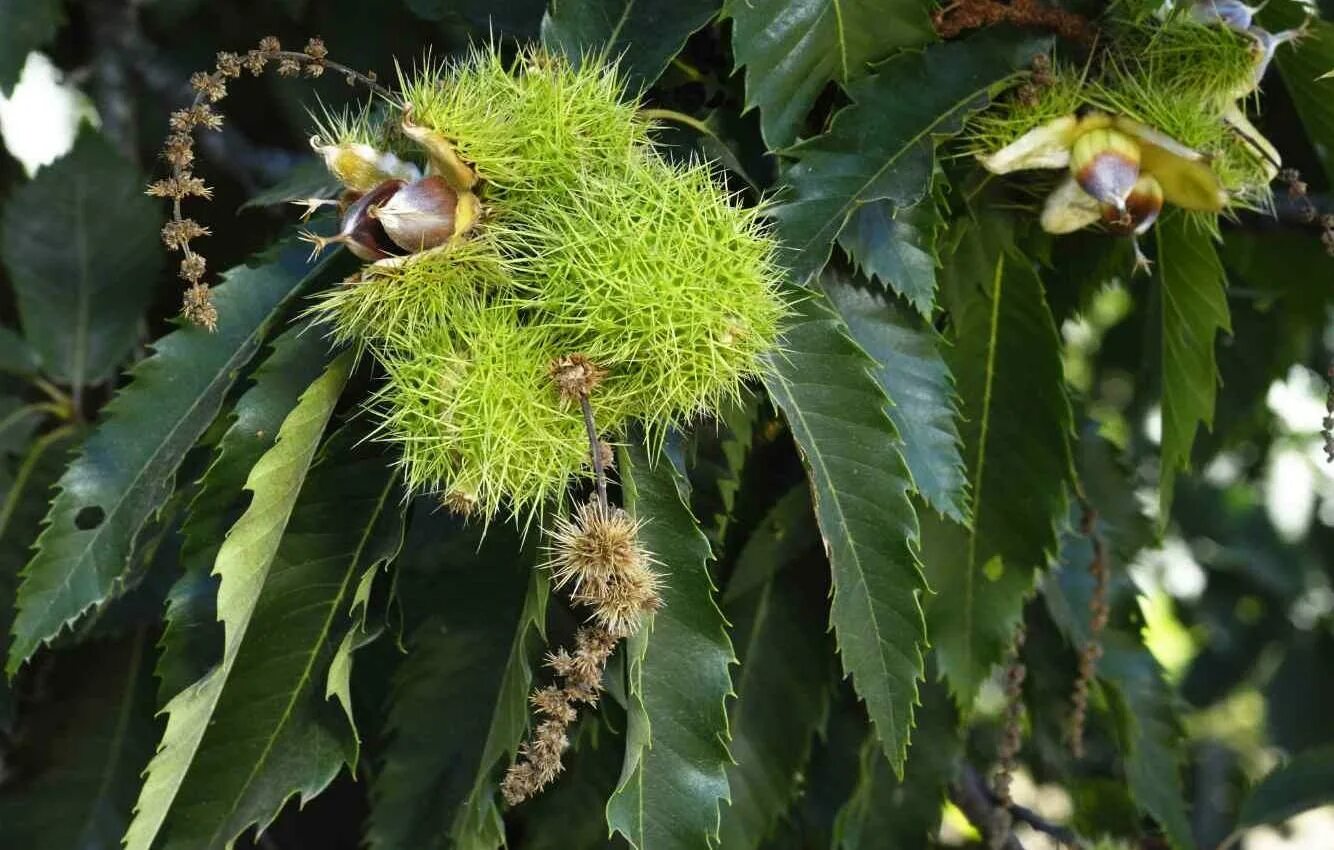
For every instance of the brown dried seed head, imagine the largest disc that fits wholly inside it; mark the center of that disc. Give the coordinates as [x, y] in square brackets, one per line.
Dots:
[192, 267]
[179, 150]
[229, 64]
[198, 309]
[288, 67]
[315, 49]
[593, 545]
[270, 46]
[211, 86]
[254, 62]
[575, 376]
[178, 187]
[177, 234]
[459, 502]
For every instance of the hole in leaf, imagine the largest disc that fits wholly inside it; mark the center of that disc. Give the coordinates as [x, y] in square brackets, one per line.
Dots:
[89, 518]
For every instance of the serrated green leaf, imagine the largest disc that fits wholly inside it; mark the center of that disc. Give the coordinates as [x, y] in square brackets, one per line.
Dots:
[274, 732]
[902, 814]
[1304, 782]
[781, 694]
[127, 467]
[192, 640]
[82, 277]
[1150, 735]
[25, 26]
[836, 410]
[245, 564]
[25, 502]
[674, 778]
[644, 34]
[923, 405]
[791, 49]
[92, 738]
[896, 247]
[1016, 427]
[882, 146]
[1194, 310]
[475, 611]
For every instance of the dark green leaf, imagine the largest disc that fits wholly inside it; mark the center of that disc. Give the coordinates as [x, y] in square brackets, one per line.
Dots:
[25, 25]
[882, 146]
[274, 733]
[24, 505]
[1150, 736]
[836, 410]
[897, 247]
[192, 641]
[1016, 432]
[475, 610]
[675, 772]
[309, 178]
[922, 405]
[519, 18]
[82, 277]
[248, 564]
[125, 471]
[1305, 68]
[92, 740]
[1305, 782]
[644, 34]
[16, 356]
[793, 48]
[781, 689]
[1194, 310]
[885, 812]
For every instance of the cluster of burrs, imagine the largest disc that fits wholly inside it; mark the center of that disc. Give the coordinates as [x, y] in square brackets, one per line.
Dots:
[1122, 171]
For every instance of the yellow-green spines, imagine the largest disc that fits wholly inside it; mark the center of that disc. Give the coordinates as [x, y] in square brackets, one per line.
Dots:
[529, 125]
[656, 277]
[477, 417]
[391, 305]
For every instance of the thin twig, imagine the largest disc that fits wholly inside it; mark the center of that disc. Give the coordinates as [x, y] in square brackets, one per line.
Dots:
[594, 450]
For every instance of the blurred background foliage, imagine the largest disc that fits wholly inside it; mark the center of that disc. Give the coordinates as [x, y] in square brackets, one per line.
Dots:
[1234, 599]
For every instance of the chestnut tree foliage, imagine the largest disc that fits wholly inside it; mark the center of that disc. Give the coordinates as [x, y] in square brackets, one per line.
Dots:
[1029, 502]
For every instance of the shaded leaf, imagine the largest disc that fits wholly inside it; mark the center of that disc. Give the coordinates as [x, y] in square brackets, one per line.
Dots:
[92, 738]
[82, 277]
[675, 773]
[885, 812]
[860, 484]
[1194, 310]
[896, 247]
[308, 178]
[1016, 428]
[475, 610]
[1150, 735]
[781, 693]
[1305, 68]
[25, 503]
[126, 469]
[16, 356]
[792, 49]
[1304, 782]
[882, 146]
[25, 25]
[192, 640]
[922, 403]
[275, 731]
[520, 18]
[644, 34]
[246, 565]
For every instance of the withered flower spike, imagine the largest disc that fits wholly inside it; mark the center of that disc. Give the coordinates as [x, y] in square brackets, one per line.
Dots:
[575, 376]
[197, 307]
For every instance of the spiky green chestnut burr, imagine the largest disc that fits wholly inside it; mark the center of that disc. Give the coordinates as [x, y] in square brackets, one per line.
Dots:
[529, 126]
[657, 277]
[473, 408]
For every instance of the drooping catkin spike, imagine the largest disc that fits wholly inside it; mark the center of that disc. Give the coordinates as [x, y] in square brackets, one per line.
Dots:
[1011, 740]
[178, 151]
[1091, 652]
